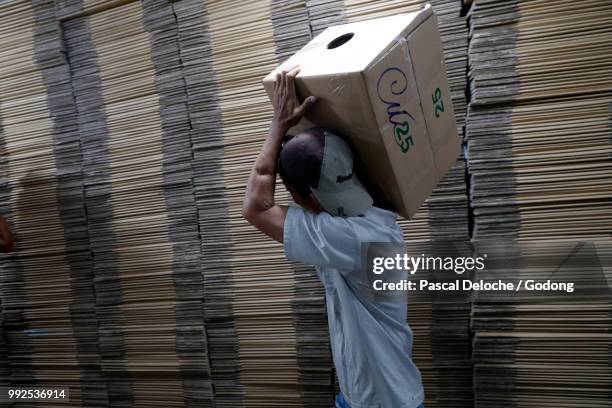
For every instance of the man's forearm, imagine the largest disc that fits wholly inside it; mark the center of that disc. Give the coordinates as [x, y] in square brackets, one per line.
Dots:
[262, 179]
[259, 208]
[265, 164]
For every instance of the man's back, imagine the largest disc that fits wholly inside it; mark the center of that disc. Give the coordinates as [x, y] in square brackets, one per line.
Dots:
[371, 342]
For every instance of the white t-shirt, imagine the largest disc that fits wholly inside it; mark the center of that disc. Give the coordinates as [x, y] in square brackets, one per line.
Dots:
[371, 341]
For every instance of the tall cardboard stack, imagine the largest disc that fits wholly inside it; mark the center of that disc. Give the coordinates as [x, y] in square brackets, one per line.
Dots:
[46, 287]
[5, 369]
[265, 316]
[135, 137]
[539, 150]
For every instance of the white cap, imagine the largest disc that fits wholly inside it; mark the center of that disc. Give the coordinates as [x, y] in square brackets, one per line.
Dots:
[339, 191]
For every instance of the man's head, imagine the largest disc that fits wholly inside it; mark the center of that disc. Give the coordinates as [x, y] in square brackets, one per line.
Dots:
[317, 169]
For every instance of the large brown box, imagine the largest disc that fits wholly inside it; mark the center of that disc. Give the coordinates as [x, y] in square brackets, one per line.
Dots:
[382, 83]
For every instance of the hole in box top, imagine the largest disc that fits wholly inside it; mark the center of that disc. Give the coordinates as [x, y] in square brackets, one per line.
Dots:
[341, 40]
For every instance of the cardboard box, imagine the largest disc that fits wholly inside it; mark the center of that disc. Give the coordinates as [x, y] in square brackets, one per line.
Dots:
[382, 84]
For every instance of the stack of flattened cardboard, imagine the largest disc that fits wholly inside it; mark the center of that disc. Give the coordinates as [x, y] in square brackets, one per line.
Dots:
[539, 150]
[47, 290]
[265, 316]
[135, 137]
[539, 124]
[5, 369]
[547, 340]
[448, 208]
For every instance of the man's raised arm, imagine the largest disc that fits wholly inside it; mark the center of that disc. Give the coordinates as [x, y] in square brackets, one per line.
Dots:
[259, 208]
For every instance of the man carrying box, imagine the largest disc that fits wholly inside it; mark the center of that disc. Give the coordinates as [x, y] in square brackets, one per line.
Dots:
[371, 341]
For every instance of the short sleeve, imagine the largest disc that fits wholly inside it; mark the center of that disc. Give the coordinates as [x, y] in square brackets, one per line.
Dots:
[321, 240]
